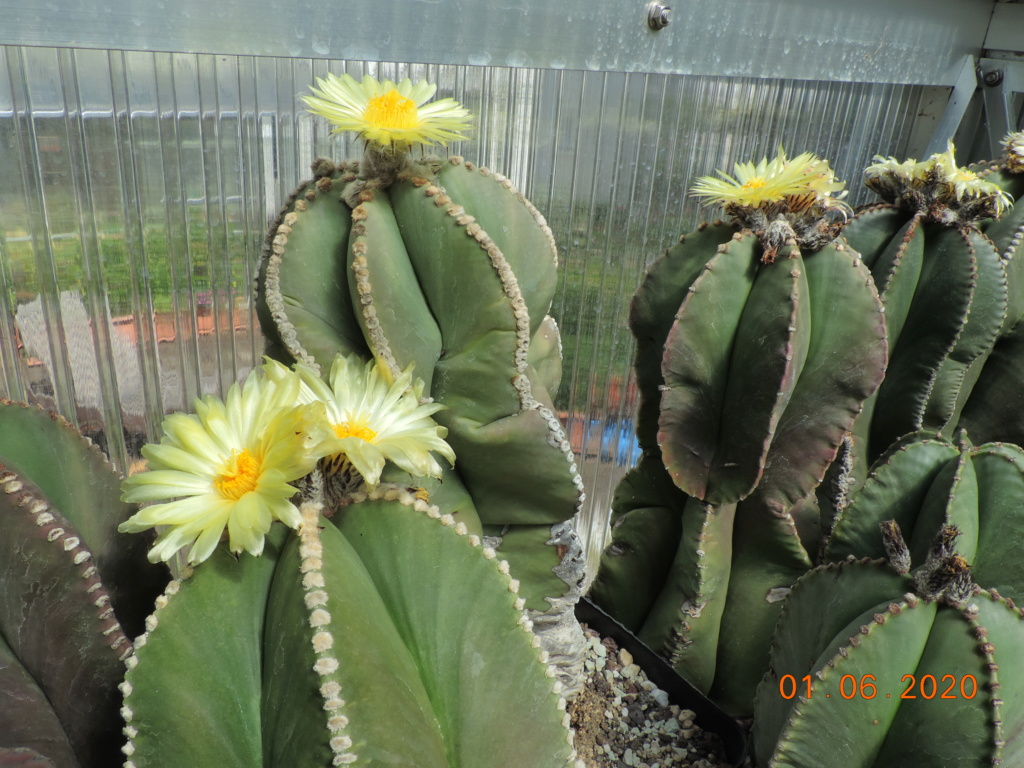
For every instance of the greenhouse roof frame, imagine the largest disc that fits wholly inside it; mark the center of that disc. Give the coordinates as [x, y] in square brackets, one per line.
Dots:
[921, 42]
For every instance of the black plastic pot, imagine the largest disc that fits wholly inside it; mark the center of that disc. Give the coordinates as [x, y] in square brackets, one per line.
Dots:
[707, 714]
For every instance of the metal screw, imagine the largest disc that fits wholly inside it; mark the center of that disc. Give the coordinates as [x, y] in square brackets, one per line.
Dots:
[993, 77]
[658, 15]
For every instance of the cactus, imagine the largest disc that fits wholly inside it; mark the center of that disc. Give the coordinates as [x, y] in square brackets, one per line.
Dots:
[347, 645]
[757, 343]
[447, 266]
[925, 482]
[383, 632]
[945, 291]
[74, 594]
[994, 409]
[868, 655]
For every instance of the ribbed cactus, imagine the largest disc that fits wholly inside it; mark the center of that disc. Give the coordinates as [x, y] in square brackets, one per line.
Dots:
[70, 582]
[757, 343]
[389, 637]
[445, 265]
[995, 408]
[875, 666]
[945, 291]
[925, 482]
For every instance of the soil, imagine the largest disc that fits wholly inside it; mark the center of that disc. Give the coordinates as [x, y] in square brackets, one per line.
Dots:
[623, 719]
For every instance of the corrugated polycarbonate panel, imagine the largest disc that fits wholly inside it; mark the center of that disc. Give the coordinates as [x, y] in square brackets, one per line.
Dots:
[135, 189]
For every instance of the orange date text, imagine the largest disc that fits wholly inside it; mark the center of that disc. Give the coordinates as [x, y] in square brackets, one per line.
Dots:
[923, 687]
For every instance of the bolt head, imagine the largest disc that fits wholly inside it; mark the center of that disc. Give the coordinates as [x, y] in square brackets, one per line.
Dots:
[993, 77]
[658, 15]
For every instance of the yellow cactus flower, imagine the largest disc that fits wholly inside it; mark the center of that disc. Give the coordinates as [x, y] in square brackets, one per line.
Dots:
[373, 420]
[966, 183]
[803, 179]
[230, 466]
[388, 115]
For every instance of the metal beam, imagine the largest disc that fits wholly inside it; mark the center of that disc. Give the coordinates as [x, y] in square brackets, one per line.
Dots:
[909, 41]
[1006, 31]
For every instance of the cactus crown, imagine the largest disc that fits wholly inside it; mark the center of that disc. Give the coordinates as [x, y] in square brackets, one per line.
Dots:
[937, 188]
[944, 576]
[783, 201]
[1013, 152]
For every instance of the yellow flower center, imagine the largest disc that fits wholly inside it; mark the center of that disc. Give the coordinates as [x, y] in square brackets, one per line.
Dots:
[962, 174]
[755, 183]
[239, 476]
[347, 429]
[391, 110]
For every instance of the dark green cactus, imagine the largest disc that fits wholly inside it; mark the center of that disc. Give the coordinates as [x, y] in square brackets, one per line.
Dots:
[925, 482]
[389, 637]
[945, 291]
[995, 408]
[754, 356]
[873, 666]
[70, 583]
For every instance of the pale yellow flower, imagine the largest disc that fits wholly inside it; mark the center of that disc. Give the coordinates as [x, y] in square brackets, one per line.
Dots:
[966, 183]
[910, 171]
[804, 179]
[372, 420]
[387, 114]
[230, 466]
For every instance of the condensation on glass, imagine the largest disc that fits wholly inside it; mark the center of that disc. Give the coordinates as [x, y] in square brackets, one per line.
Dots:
[135, 189]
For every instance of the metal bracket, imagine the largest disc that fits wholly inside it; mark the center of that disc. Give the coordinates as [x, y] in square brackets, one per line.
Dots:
[1002, 84]
[959, 99]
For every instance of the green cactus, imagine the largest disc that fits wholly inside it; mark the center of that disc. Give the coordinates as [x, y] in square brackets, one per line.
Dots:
[876, 666]
[995, 409]
[925, 482]
[445, 265]
[757, 343]
[70, 583]
[945, 291]
[391, 636]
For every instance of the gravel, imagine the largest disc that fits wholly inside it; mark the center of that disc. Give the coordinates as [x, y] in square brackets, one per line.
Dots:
[623, 719]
